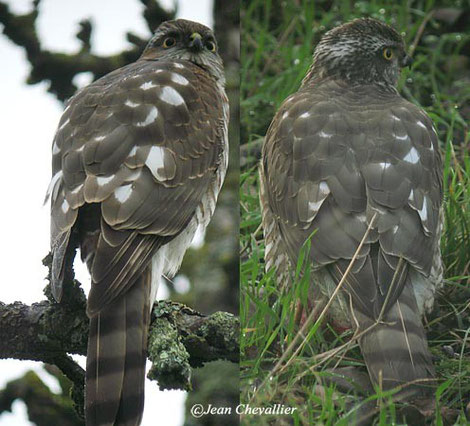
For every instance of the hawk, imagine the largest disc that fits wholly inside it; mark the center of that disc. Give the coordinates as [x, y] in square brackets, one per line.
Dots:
[138, 161]
[346, 157]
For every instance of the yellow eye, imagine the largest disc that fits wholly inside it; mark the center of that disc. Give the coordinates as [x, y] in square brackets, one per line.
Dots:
[210, 45]
[169, 42]
[388, 53]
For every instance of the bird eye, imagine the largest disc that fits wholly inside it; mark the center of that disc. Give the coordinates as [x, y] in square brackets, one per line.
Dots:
[210, 45]
[169, 42]
[388, 53]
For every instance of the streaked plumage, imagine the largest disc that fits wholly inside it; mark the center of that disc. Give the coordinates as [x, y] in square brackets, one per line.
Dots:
[342, 149]
[138, 161]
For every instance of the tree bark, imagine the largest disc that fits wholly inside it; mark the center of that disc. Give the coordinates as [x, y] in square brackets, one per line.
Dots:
[180, 338]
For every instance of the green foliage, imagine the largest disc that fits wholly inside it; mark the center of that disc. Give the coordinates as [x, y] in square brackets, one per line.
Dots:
[277, 45]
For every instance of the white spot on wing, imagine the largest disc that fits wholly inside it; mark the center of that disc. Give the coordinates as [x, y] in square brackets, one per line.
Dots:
[385, 165]
[171, 96]
[322, 193]
[151, 117]
[315, 205]
[64, 123]
[55, 148]
[423, 213]
[155, 161]
[305, 115]
[123, 193]
[421, 124]
[361, 217]
[179, 79]
[178, 65]
[103, 180]
[147, 85]
[288, 100]
[99, 138]
[65, 206]
[285, 115]
[412, 156]
[131, 104]
[402, 138]
[77, 189]
[324, 188]
[133, 151]
[323, 134]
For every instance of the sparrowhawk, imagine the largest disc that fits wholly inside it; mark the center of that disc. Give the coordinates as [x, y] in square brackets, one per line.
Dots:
[346, 153]
[138, 161]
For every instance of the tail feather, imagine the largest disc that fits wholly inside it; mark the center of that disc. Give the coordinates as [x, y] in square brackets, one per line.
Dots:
[117, 350]
[131, 406]
[396, 350]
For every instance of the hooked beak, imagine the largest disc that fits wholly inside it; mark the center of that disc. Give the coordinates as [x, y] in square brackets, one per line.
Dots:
[196, 42]
[406, 61]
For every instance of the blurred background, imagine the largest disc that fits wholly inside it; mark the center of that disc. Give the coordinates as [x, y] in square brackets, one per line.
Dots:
[36, 80]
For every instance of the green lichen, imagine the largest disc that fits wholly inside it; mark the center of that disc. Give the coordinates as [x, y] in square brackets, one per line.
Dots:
[222, 331]
[169, 357]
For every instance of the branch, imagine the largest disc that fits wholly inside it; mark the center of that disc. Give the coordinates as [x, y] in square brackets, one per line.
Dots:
[58, 68]
[44, 406]
[44, 330]
[180, 338]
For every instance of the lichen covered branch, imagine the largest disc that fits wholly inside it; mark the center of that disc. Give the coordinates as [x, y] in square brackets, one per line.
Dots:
[180, 338]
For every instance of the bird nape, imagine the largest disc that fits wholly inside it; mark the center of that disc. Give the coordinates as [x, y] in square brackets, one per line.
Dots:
[138, 161]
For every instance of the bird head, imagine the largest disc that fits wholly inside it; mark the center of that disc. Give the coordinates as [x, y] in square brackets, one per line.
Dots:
[361, 51]
[186, 40]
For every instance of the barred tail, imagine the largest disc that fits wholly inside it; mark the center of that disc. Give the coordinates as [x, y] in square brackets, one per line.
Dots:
[117, 351]
[396, 350]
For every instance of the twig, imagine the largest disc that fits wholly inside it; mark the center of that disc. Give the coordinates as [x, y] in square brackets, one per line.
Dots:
[420, 31]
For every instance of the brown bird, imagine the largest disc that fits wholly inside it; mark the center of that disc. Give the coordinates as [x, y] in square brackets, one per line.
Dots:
[344, 153]
[138, 161]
